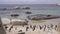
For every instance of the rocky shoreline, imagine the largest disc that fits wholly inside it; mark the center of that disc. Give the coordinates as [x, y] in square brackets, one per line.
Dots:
[42, 17]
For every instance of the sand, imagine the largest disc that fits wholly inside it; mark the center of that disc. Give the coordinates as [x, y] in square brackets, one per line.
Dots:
[37, 30]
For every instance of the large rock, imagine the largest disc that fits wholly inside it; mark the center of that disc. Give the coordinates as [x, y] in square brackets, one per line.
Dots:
[19, 22]
[41, 16]
[5, 20]
[2, 31]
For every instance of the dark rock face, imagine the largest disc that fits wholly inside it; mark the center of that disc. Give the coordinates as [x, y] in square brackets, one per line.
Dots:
[26, 8]
[3, 8]
[14, 15]
[2, 31]
[41, 17]
[28, 12]
[17, 8]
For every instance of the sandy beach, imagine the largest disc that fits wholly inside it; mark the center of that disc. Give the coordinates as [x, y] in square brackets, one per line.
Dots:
[31, 22]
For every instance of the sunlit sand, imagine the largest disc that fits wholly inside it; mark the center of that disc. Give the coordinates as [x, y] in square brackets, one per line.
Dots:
[37, 30]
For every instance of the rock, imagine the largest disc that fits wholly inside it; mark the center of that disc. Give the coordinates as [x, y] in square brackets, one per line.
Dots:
[41, 17]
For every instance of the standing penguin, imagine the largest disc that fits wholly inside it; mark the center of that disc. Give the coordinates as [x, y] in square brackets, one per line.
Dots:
[45, 28]
[27, 28]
